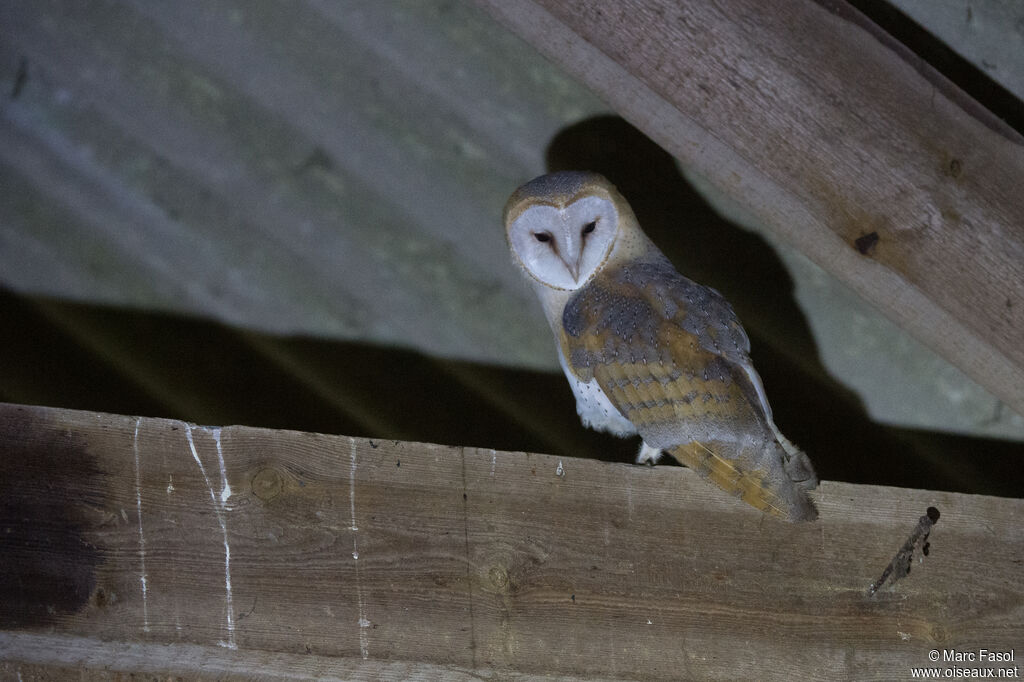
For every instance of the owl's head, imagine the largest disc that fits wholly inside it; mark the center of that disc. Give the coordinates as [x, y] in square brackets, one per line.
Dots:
[561, 227]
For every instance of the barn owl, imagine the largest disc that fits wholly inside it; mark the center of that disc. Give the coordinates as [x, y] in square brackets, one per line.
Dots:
[646, 350]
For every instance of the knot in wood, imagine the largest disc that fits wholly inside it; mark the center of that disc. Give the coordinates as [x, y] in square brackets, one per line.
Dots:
[499, 578]
[267, 484]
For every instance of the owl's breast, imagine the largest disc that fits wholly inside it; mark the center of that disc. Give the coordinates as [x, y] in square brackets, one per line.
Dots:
[595, 409]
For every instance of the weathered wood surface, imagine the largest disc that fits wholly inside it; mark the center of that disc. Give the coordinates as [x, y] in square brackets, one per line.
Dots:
[806, 115]
[154, 546]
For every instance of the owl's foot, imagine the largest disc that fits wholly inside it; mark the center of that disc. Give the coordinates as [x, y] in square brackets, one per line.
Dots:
[648, 455]
[797, 464]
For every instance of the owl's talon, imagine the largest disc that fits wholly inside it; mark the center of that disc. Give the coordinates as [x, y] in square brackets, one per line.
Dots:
[648, 455]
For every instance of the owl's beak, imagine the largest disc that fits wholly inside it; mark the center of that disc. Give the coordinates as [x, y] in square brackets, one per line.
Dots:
[573, 268]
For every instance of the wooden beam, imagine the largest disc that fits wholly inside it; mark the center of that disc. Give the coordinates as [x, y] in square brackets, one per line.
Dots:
[149, 545]
[831, 134]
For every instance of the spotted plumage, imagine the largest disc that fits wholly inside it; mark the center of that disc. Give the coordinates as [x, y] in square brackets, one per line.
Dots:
[646, 350]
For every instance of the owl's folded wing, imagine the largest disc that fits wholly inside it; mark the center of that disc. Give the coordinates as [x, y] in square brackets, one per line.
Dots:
[671, 356]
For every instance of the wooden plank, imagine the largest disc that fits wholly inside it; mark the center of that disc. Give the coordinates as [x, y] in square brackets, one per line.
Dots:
[156, 546]
[37, 657]
[805, 114]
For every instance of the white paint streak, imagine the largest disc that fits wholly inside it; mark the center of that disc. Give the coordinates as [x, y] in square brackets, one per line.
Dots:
[494, 461]
[364, 624]
[170, 484]
[142, 537]
[560, 470]
[218, 509]
[629, 495]
[225, 490]
[352, 489]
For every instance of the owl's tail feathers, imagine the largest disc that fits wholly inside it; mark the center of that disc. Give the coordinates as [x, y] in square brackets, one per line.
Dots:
[768, 488]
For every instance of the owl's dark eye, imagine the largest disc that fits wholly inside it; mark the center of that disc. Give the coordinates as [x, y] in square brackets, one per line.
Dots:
[589, 227]
[542, 236]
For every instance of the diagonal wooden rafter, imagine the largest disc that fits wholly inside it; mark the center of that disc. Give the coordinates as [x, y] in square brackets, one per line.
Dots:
[830, 133]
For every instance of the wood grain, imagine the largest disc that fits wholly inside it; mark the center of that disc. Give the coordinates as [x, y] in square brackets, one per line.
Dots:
[355, 558]
[828, 132]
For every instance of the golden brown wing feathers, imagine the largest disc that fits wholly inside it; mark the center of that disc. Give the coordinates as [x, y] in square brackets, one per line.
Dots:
[672, 357]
